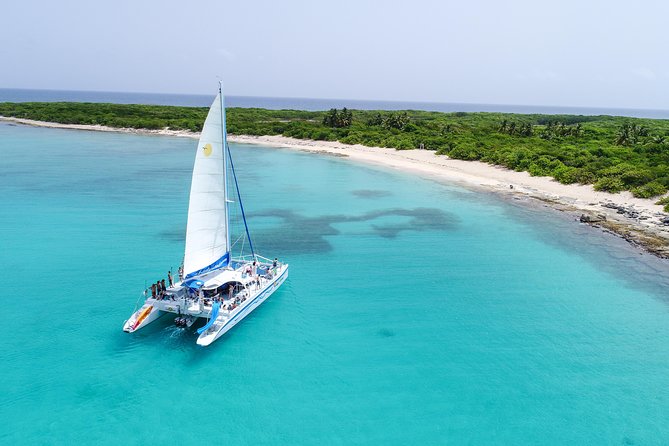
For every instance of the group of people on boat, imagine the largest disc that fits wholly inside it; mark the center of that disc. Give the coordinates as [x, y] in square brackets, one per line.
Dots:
[225, 295]
[220, 295]
[234, 304]
[158, 289]
[255, 270]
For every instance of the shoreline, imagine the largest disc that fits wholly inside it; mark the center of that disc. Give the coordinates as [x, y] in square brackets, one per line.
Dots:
[637, 220]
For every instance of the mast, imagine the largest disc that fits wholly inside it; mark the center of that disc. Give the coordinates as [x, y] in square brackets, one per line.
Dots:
[224, 139]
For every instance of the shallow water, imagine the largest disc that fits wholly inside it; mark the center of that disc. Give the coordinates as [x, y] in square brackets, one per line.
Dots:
[415, 312]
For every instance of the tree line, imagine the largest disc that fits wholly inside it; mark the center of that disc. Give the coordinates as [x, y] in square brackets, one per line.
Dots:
[611, 153]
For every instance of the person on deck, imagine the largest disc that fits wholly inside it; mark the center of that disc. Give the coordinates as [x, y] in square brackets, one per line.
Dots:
[169, 278]
[153, 290]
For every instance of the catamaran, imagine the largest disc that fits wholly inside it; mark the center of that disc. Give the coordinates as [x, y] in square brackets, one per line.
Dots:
[212, 284]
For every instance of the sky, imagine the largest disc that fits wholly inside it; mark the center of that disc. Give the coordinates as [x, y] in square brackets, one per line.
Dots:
[587, 53]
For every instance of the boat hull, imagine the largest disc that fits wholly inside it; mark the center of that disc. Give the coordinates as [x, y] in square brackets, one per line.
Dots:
[142, 317]
[226, 321]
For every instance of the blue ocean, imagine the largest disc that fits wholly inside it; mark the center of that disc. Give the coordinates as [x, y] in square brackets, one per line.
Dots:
[415, 312]
[275, 103]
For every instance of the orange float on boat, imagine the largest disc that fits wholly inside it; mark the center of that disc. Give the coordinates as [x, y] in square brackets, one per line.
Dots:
[142, 316]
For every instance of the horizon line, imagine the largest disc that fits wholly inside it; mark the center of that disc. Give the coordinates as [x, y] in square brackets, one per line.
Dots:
[389, 101]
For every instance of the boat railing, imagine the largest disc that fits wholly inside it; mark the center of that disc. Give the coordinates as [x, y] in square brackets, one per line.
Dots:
[251, 258]
[142, 298]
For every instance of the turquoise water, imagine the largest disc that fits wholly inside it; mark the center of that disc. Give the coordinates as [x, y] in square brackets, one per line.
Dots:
[415, 313]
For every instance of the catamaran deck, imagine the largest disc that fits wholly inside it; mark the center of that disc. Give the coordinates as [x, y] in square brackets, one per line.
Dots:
[205, 297]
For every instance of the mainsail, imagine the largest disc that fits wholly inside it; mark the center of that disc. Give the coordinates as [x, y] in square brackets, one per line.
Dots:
[207, 238]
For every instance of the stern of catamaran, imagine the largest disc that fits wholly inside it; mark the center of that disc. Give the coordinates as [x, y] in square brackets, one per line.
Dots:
[237, 289]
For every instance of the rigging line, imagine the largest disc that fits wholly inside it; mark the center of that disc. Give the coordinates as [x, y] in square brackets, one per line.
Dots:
[239, 196]
[241, 237]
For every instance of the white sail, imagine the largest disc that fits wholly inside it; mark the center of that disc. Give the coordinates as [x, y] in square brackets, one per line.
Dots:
[207, 229]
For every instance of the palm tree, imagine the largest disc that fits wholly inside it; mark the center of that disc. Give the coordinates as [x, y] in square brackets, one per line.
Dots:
[624, 137]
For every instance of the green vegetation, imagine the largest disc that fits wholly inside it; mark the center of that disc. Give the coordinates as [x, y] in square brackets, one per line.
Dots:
[612, 153]
[112, 115]
[664, 202]
[336, 118]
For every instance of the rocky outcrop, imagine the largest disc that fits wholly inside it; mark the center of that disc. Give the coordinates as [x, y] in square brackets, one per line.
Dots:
[585, 218]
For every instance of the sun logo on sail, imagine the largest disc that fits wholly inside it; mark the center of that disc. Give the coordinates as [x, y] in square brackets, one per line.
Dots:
[207, 149]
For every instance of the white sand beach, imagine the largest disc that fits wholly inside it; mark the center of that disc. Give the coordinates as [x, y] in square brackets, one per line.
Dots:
[638, 220]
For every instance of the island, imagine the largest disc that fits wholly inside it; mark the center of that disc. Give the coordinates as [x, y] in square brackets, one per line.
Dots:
[611, 172]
